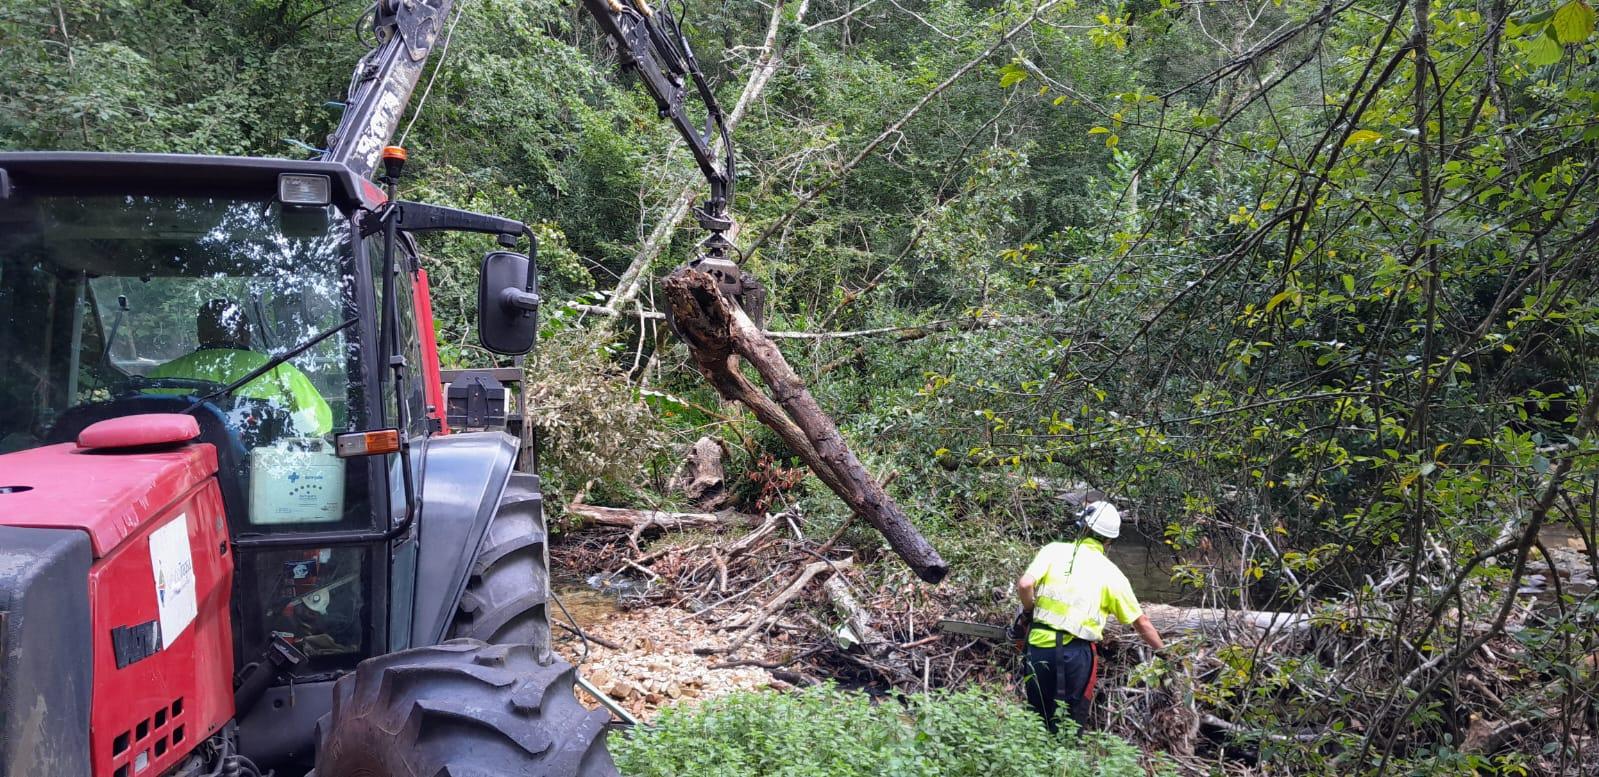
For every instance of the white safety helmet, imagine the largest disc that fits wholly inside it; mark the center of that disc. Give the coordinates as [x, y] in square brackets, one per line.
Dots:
[1102, 518]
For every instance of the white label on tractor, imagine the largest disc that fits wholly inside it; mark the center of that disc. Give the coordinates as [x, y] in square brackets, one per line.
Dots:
[173, 566]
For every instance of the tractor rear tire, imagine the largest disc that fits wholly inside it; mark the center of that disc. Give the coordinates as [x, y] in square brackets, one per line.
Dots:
[461, 709]
[508, 588]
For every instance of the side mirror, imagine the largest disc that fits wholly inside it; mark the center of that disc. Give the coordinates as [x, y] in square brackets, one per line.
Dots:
[508, 303]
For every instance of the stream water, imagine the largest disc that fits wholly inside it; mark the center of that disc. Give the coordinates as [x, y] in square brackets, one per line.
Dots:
[587, 605]
[1147, 565]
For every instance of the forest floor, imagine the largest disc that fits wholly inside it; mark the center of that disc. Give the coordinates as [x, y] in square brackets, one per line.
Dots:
[689, 616]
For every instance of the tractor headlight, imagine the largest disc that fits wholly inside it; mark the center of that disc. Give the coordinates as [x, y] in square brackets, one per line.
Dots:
[302, 189]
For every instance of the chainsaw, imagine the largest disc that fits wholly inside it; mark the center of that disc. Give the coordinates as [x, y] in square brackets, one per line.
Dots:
[1015, 633]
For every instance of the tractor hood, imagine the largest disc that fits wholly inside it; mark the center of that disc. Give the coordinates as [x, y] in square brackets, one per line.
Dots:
[106, 492]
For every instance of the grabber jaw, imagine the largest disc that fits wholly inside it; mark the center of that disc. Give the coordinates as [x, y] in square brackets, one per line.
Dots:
[737, 286]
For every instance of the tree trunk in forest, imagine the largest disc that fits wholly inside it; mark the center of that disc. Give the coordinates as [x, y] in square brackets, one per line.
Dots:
[718, 334]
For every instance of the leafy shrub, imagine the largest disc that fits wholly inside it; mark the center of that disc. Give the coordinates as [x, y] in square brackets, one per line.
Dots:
[595, 429]
[836, 733]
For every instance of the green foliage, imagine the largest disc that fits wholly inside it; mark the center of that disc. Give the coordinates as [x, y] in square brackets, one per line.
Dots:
[593, 424]
[825, 731]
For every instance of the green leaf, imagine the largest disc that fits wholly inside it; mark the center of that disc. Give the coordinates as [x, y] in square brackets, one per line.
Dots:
[1349, 283]
[1098, 131]
[1573, 22]
[1363, 136]
[1543, 50]
[1278, 299]
[1011, 75]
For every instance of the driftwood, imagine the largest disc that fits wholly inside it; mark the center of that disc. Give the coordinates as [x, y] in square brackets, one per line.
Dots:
[1171, 619]
[753, 540]
[703, 479]
[773, 608]
[640, 521]
[718, 334]
[859, 620]
[1168, 617]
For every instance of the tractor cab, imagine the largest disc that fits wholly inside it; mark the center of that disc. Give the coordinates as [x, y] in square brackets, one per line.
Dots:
[281, 305]
[150, 292]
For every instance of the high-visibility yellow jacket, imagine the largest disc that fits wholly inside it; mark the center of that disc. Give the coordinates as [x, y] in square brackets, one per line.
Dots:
[284, 385]
[1077, 586]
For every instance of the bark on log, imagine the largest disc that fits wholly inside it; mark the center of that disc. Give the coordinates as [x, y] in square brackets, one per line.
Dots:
[859, 620]
[703, 479]
[717, 334]
[640, 521]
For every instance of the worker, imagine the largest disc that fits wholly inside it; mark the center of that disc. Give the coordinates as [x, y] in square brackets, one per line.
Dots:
[1066, 594]
[224, 356]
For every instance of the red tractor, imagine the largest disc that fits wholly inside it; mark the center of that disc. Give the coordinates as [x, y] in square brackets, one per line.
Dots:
[236, 532]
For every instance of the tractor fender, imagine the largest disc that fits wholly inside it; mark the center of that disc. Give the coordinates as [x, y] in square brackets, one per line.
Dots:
[460, 482]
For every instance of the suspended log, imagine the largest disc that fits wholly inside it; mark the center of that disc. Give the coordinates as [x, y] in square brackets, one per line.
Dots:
[718, 334]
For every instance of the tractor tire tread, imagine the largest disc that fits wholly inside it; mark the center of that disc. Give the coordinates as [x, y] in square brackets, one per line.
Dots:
[462, 709]
[507, 593]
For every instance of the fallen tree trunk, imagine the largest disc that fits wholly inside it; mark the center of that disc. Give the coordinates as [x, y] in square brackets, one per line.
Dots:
[640, 521]
[1170, 619]
[718, 334]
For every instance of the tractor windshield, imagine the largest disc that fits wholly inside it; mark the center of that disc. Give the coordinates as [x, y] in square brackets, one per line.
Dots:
[106, 298]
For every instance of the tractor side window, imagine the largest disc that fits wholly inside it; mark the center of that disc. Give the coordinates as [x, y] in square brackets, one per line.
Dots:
[410, 342]
[38, 379]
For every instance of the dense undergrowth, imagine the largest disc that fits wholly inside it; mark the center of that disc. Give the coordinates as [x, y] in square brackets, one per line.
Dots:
[827, 732]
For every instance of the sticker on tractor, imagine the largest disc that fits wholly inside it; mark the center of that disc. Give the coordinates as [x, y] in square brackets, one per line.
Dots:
[173, 566]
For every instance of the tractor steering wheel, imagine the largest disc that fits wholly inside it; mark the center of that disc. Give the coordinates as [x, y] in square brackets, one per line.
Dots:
[136, 384]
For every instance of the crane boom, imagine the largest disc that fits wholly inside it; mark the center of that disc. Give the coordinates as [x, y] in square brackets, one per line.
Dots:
[649, 42]
[381, 86]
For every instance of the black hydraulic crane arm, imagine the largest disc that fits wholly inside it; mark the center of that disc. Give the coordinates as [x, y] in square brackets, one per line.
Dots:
[650, 41]
[652, 44]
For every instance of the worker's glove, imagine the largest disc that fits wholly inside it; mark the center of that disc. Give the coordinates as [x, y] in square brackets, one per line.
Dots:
[1020, 624]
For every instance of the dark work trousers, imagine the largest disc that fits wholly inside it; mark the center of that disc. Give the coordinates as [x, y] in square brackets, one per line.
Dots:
[1063, 672]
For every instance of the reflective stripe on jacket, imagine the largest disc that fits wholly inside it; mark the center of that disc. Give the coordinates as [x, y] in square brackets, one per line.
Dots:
[1077, 587]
